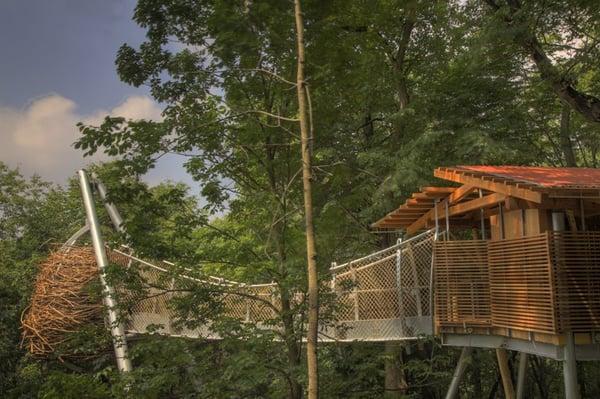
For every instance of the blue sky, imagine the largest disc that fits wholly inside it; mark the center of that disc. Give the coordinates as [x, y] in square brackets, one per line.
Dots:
[57, 68]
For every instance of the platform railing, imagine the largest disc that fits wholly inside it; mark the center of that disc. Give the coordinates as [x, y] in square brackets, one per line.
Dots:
[547, 283]
[385, 296]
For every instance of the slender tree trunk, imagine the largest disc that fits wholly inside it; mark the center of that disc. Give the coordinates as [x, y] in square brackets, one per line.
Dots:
[287, 318]
[566, 144]
[311, 252]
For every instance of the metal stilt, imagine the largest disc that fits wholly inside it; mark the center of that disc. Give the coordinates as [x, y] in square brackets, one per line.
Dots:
[521, 375]
[116, 328]
[507, 384]
[459, 372]
[570, 369]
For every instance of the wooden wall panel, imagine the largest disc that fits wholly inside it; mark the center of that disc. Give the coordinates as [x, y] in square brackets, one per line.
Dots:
[521, 284]
[576, 272]
[462, 294]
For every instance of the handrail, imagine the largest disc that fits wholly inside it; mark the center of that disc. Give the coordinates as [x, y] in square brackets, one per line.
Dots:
[395, 246]
[220, 281]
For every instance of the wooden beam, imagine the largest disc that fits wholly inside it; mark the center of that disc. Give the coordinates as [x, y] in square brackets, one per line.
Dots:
[460, 193]
[496, 187]
[446, 190]
[454, 197]
[479, 203]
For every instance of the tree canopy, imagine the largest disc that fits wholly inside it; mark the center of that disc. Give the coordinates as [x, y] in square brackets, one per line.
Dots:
[394, 89]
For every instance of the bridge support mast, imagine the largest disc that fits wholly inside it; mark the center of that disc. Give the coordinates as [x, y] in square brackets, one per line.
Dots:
[116, 327]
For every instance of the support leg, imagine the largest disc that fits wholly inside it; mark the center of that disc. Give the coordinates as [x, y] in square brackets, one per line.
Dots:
[570, 369]
[459, 372]
[509, 390]
[522, 374]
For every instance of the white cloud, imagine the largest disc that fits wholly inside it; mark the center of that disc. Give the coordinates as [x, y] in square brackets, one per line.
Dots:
[39, 138]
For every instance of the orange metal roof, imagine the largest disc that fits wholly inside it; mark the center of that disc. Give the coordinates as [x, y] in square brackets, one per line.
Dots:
[527, 182]
[565, 178]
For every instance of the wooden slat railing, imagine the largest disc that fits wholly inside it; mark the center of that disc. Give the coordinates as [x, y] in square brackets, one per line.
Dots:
[462, 292]
[521, 284]
[548, 283]
[576, 272]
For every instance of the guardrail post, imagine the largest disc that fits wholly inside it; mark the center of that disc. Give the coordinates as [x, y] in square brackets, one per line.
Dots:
[356, 302]
[399, 285]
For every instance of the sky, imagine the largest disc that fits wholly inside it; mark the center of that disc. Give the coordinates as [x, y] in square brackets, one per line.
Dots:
[57, 68]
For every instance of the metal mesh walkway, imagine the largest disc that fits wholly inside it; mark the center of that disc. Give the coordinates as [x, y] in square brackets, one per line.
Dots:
[385, 296]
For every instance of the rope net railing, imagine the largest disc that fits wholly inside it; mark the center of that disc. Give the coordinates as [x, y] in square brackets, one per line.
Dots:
[388, 294]
[385, 296]
[150, 304]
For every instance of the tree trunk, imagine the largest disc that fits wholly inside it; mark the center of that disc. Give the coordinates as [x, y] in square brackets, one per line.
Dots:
[311, 253]
[566, 144]
[395, 380]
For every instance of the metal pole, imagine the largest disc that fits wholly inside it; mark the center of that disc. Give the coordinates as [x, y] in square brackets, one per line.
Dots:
[435, 213]
[447, 221]
[569, 362]
[116, 328]
[73, 239]
[399, 285]
[505, 374]
[459, 371]
[111, 209]
[570, 368]
[481, 215]
[521, 375]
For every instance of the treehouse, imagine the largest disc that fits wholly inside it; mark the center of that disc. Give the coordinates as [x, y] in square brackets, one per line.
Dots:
[501, 257]
[516, 264]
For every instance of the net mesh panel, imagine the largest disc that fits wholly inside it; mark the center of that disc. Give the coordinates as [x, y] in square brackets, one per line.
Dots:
[149, 306]
[387, 296]
[384, 296]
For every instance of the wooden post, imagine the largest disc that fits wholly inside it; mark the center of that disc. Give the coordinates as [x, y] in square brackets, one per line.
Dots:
[507, 384]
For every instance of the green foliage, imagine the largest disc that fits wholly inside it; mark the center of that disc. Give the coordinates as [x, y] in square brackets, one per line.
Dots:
[396, 88]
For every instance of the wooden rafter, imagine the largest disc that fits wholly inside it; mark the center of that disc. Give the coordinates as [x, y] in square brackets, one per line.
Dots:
[490, 183]
[453, 198]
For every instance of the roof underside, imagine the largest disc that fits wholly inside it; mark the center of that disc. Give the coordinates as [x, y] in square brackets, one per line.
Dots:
[493, 184]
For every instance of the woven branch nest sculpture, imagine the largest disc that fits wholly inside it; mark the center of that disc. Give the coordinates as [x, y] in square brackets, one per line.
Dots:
[61, 302]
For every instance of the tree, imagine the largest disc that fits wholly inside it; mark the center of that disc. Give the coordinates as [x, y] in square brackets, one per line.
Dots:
[571, 35]
[311, 253]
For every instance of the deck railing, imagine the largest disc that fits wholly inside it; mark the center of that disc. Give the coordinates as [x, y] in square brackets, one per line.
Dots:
[548, 283]
[462, 290]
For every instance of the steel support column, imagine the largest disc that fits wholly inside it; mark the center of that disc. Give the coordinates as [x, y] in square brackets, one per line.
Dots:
[523, 357]
[507, 384]
[459, 371]
[570, 369]
[116, 328]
